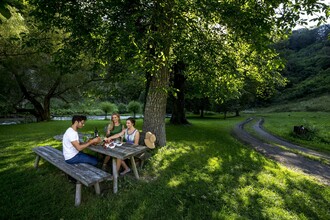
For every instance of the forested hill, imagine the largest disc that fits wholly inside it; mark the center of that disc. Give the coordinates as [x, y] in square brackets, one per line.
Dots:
[308, 65]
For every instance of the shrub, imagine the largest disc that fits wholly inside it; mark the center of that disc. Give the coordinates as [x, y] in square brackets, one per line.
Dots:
[122, 108]
[108, 107]
[310, 132]
[134, 107]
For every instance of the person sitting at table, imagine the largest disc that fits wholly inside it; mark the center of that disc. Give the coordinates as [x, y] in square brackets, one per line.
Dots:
[132, 136]
[113, 128]
[72, 147]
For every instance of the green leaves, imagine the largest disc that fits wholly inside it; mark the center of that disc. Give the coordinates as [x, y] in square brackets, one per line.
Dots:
[4, 11]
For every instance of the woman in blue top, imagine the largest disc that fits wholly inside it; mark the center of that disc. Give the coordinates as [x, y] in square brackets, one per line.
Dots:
[132, 136]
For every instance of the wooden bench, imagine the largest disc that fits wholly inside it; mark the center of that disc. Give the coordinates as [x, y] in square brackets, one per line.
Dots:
[83, 173]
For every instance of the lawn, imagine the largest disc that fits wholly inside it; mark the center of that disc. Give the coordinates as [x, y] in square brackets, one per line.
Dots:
[202, 173]
[282, 124]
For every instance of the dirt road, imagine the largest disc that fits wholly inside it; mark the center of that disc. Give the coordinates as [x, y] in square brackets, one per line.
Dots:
[284, 151]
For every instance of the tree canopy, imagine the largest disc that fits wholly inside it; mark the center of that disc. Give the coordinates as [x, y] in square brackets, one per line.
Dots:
[221, 42]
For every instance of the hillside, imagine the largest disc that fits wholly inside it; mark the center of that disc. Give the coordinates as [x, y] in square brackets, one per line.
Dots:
[308, 70]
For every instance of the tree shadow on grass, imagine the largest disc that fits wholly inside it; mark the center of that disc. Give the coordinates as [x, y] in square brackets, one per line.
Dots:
[202, 173]
[217, 180]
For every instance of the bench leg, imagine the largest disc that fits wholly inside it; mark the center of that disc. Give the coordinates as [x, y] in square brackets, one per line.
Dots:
[36, 162]
[97, 188]
[136, 174]
[115, 175]
[78, 194]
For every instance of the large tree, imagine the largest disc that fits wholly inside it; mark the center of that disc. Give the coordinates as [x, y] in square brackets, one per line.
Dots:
[35, 66]
[152, 35]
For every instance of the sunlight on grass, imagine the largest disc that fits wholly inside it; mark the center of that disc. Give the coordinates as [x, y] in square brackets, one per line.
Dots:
[202, 173]
[174, 182]
[279, 213]
[213, 164]
[282, 124]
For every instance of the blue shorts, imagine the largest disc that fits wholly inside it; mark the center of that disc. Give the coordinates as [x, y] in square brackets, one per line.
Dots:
[83, 158]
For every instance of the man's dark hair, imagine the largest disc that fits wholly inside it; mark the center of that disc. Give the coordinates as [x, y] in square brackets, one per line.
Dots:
[78, 118]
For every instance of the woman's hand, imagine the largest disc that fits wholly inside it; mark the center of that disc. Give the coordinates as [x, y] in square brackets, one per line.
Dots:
[107, 140]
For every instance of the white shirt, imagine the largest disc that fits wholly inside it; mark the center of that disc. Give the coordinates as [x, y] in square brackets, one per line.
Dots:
[130, 137]
[69, 150]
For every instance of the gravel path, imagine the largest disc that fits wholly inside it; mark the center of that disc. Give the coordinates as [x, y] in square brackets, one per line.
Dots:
[267, 144]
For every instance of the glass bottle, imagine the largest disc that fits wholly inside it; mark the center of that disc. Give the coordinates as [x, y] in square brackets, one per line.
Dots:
[96, 133]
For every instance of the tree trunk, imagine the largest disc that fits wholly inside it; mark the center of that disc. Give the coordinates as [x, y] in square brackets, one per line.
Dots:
[155, 106]
[41, 112]
[46, 109]
[178, 107]
[38, 111]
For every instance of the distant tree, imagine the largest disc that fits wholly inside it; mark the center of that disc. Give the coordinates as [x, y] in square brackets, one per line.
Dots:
[122, 108]
[307, 69]
[108, 107]
[178, 96]
[134, 107]
[36, 65]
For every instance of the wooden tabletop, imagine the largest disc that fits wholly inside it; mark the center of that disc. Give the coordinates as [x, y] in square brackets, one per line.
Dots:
[121, 152]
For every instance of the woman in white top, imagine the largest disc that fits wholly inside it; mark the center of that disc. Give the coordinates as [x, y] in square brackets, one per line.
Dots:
[132, 136]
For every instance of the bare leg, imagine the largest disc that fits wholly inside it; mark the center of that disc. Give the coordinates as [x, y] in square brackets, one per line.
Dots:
[106, 160]
[127, 169]
[124, 165]
[118, 164]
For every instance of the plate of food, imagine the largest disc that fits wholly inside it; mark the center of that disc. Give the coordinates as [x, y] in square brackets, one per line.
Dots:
[110, 145]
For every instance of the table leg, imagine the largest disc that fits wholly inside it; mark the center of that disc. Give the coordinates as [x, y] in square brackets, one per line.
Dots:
[36, 162]
[136, 174]
[78, 194]
[115, 175]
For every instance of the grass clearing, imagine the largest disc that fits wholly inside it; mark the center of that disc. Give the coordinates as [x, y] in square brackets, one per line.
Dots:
[281, 124]
[202, 173]
[249, 128]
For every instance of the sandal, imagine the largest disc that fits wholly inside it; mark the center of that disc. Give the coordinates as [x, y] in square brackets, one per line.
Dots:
[125, 171]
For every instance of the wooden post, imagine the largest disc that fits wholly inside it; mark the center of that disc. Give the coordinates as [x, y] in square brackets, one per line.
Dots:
[78, 194]
[97, 188]
[115, 175]
[36, 162]
[136, 174]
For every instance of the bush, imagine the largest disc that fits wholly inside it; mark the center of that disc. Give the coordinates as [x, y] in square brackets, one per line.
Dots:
[108, 107]
[122, 108]
[134, 107]
[310, 132]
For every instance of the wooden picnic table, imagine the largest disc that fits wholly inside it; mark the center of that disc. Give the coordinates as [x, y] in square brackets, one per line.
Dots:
[125, 151]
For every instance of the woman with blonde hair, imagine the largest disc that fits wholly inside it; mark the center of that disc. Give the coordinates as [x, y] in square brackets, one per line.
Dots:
[113, 128]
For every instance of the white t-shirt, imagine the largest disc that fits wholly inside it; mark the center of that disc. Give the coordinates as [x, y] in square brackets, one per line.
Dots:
[69, 150]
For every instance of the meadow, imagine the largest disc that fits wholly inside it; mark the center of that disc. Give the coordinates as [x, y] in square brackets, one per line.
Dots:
[281, 124]
[202, 173]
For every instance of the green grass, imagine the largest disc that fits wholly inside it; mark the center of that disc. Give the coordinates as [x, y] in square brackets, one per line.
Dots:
[202, 173]
[307, 104]
[249, 128]
[282, 124]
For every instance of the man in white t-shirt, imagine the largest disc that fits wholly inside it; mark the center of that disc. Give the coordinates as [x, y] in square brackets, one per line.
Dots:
[71, 145]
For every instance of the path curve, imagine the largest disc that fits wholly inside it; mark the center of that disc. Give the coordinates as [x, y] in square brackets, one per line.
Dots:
[271, 149]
